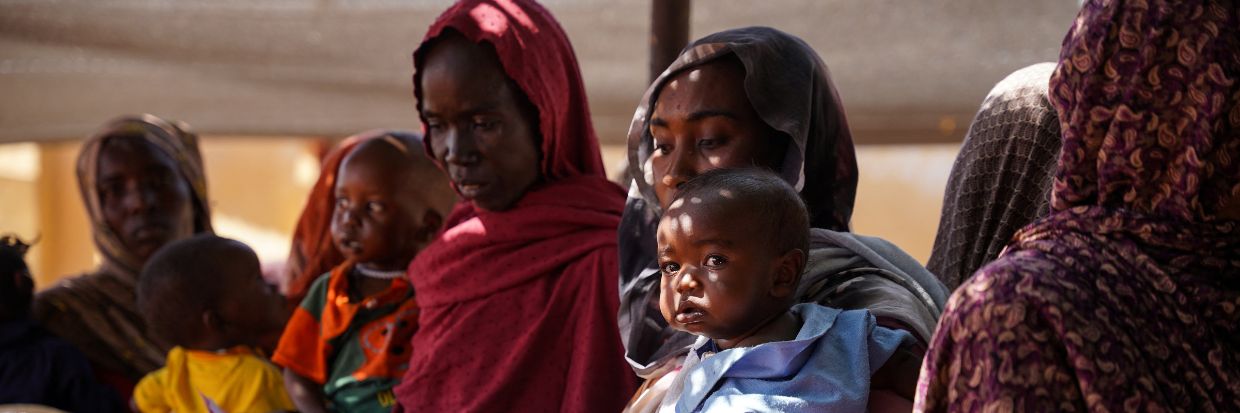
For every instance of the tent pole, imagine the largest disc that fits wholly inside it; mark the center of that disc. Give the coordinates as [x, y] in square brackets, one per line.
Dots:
[669, 32]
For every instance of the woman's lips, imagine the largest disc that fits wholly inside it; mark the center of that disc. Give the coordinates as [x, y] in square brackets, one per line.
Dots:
[149, 232]
[470, 189]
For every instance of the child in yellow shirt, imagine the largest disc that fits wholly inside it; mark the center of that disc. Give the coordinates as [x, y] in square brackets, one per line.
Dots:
[206, 296]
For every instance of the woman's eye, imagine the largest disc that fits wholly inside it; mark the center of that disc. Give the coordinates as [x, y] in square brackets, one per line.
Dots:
[662, 149]
[342, 202]
[374, 207]
[156, 182]
[485, 125]
[669, 268]
[710, 143]
[109, 191]
[716, 261]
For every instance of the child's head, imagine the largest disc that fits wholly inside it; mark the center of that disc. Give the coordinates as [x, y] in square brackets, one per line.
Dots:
[16, 285]
[390, 201]
[207, 293]
[732, 245]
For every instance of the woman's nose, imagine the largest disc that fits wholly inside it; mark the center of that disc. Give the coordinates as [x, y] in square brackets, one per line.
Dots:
[139, 198]
[461, 148]
[680, 168]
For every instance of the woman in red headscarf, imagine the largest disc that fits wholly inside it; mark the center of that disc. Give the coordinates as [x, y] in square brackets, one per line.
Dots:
[519, 295]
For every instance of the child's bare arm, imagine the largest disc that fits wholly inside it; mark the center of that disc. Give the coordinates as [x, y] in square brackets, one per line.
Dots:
[306, 394]
[899, 374]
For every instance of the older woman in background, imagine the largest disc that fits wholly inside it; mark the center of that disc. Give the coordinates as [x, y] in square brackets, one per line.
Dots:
[143, 184]
[1001, 180]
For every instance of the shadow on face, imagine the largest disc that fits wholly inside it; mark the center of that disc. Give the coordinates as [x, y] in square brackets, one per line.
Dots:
[703, 120]
[145, 201]
[482, 128]
[720, 276]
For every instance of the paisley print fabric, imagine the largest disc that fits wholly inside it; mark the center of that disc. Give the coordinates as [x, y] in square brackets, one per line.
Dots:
[1127, 297]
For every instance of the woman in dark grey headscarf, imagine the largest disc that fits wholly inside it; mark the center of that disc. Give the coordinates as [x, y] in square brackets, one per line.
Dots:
[1001, 180]
[789, 119]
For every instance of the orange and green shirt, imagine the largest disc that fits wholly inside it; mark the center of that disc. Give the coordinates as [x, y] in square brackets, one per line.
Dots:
[357, 349]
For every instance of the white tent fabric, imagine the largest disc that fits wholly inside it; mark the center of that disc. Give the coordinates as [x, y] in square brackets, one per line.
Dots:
[334, 67]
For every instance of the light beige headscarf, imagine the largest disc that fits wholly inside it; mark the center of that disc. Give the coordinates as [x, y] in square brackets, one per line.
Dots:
[97, 312]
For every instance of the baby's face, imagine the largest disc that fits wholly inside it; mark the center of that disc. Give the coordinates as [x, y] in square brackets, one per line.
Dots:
[252, 310]
[717, 274]
[373, 220]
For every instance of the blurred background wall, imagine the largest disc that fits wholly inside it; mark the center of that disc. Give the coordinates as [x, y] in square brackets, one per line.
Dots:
[270, 85]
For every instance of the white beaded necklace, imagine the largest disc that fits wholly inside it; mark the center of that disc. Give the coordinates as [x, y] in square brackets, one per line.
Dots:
[380, 274]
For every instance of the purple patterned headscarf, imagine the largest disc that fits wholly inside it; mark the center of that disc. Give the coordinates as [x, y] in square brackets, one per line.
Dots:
[1128, 296]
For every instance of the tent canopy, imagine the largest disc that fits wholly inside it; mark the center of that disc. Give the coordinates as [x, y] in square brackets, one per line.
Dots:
[908, 71]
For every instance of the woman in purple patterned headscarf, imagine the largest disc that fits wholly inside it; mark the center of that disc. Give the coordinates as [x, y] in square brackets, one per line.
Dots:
[1127, 297]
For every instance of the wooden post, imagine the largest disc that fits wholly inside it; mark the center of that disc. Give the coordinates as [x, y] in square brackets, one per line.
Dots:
[669, 32]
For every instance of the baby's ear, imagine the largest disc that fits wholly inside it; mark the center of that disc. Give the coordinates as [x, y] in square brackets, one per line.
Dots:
[211, 321]
[787, 273]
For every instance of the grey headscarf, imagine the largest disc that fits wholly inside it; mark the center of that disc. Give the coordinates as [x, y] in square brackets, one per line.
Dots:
[791, 90]
[1001, 180]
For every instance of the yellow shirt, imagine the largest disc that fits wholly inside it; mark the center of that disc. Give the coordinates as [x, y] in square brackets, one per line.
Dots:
[191, 381]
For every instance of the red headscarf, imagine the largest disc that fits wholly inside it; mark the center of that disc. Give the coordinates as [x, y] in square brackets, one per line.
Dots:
[536, 54]
[519, 306]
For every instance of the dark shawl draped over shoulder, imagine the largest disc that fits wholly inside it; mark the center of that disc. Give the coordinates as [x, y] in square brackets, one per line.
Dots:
[518, 306]
[1001, 180]
[1127, 297]
[791, 90]
[97, 312]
